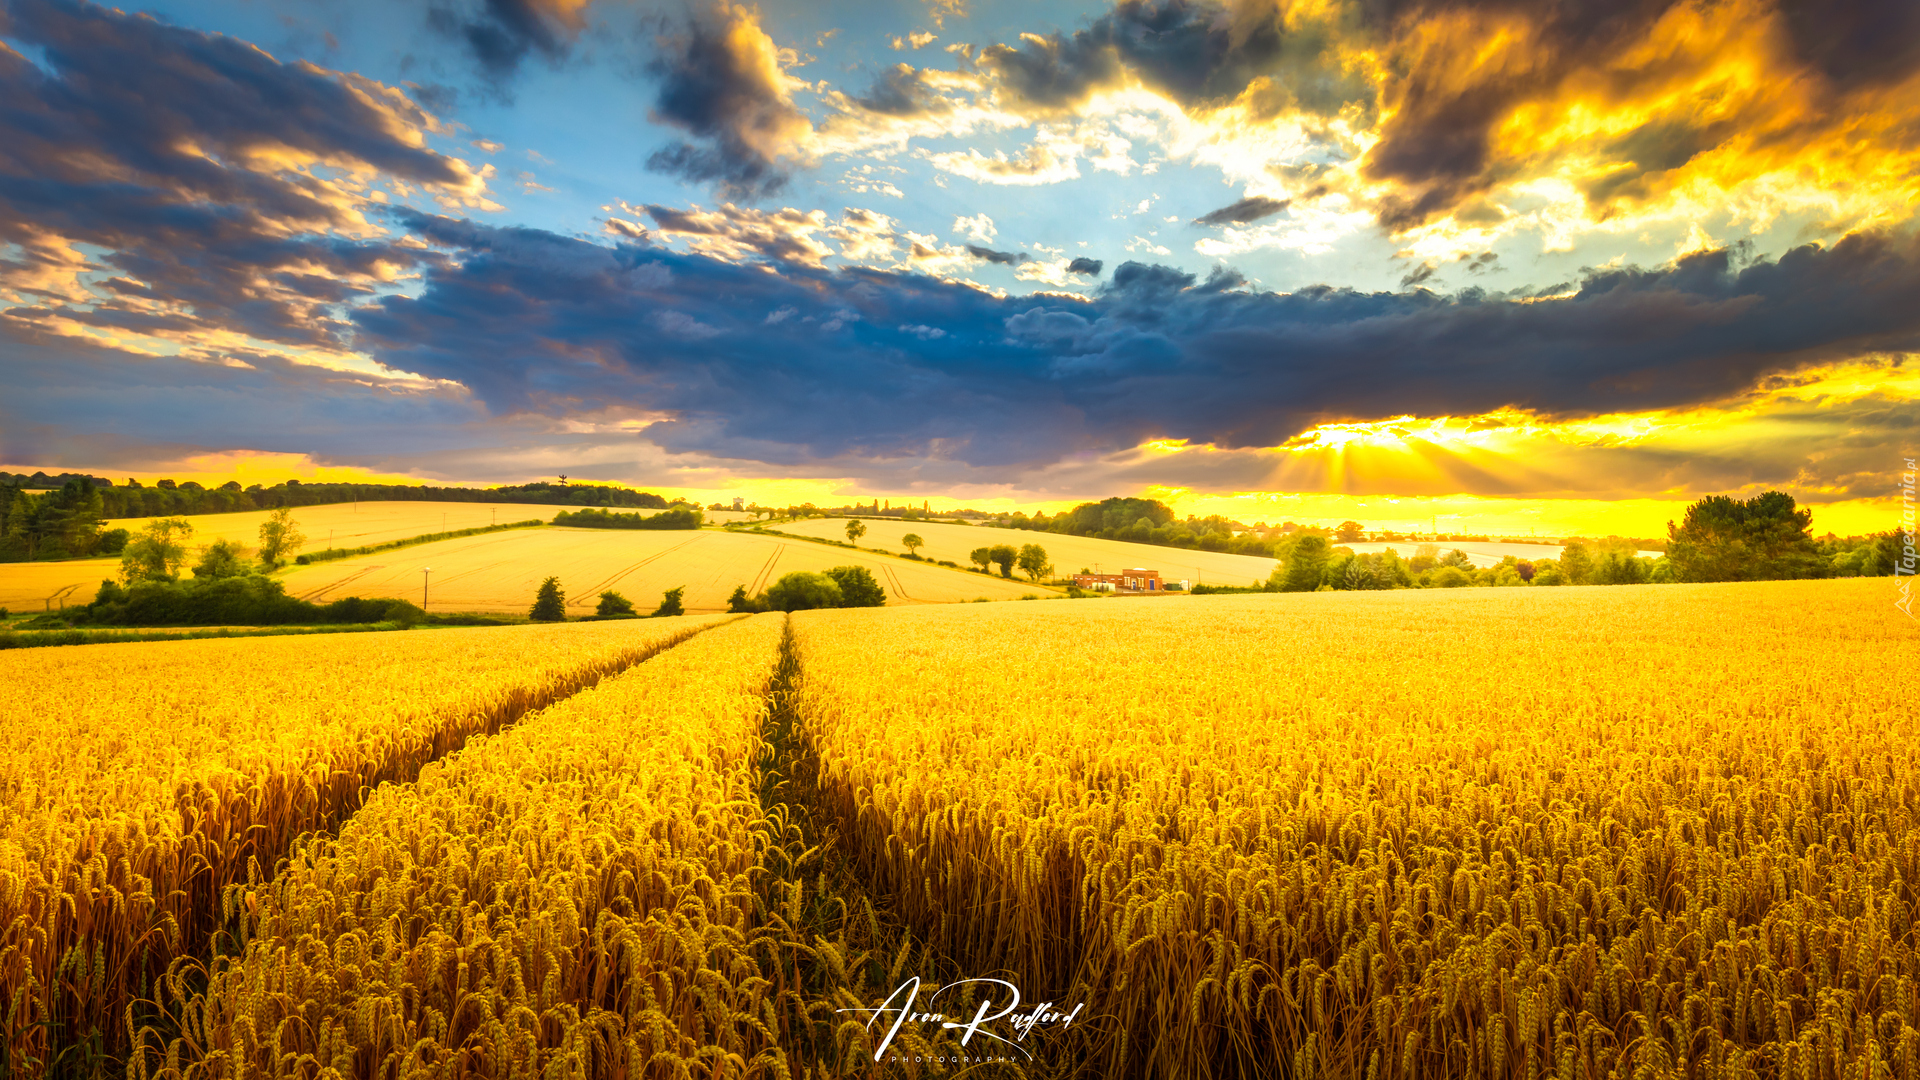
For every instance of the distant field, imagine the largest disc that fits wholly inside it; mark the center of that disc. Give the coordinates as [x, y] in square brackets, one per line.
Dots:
[37, 586]
[500, 571]
[1068, 553]
[349, 525]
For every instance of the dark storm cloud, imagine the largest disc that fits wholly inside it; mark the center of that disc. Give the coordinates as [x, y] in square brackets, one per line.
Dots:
[1251, 208]
[998, 258]
[1196, 53]
[720, 82]
[500, 34]
[1084, 265]
[143, 140]
[811, 364]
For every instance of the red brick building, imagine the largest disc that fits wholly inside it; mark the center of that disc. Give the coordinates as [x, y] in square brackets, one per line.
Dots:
[1135, 580]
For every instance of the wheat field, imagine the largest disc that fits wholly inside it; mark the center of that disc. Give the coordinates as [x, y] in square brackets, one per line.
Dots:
[1637, 831]
[501, 571]
[1069, 554]
[1665, 831]
[142, 779]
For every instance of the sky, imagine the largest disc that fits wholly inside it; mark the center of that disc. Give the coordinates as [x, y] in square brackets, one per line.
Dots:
[1552, 266]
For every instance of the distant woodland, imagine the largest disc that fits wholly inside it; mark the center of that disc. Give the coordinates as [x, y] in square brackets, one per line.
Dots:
[63, 516]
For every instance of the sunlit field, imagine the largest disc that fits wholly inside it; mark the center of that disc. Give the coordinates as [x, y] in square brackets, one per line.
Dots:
[501, 571]
[1401, 834]
[1068, 553]
[44, 586]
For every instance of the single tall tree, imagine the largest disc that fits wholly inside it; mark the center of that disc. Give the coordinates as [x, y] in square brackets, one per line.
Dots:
[1004, 555]
[1307, 565]
[855, 530]
[981, 557]
[1033, 562]
[1349, 532]
[156, 552]
[549, 604]
[912, 543]
[280, 537]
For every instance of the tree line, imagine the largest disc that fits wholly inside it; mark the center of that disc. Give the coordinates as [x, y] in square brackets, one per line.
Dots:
[1720, 538]
[43, 520]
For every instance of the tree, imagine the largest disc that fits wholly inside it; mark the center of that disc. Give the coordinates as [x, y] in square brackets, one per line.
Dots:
[1457, 559]
[741, 602]
[222, 559]
[1307, 565]
[1451, 577]
[1576, 563]
[1004, 556]
[857, 587]
[549, 604]
[981, 557]
[1349, 532]
[612, 603]
[670, 603]
[912, 543]
[1619, 568]
[280, 537]
[855, 530]
[1759, 539]
[1033, 562]
[803, 590]
[156, 552]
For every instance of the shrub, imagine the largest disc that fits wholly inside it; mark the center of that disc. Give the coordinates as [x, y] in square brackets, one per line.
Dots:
[670, 603]
[857, 587]
[803, 590]
[612, 603]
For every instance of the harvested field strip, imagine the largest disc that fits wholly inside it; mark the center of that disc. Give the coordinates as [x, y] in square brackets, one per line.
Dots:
[1648, 830]
[145, 779]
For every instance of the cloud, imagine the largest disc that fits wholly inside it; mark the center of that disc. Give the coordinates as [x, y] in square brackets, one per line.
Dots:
[724, 82]
[998, 258]
[1155, 354]
[1419, 275]
[919, 39]
[1089, 267]
[500, 34]
[979, 227]
[166, 189]
[1251, 208]
[733, 233]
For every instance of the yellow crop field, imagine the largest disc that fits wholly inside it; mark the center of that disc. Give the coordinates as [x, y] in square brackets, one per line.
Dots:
[500, 571]
[1603, 832]
[142, 779]
[1067, 553]
[40, 586]
[576, 893]
[350, 525]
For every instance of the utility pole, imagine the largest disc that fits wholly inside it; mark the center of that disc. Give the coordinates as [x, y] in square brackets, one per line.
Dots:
[426, 573]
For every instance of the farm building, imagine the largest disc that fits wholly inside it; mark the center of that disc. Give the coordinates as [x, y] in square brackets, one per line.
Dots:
[1135, 580]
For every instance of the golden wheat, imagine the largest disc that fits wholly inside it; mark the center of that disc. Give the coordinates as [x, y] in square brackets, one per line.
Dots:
[141, 780]
[572, 897]
[1646, 831]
